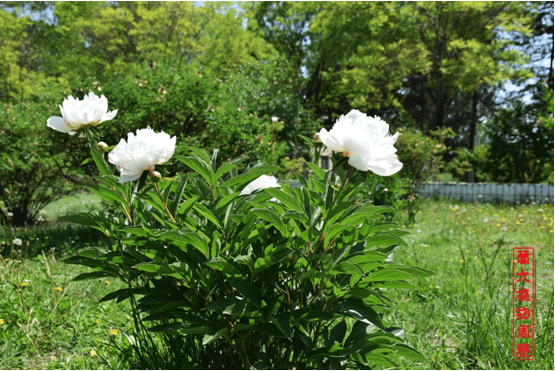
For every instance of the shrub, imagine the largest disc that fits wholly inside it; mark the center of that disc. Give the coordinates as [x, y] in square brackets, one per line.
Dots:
[190, 104]
[279, 278]
[32, 162]
[466, 161]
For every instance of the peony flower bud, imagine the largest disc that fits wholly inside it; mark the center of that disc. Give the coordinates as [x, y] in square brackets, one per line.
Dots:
[155, 176]
[102, 147]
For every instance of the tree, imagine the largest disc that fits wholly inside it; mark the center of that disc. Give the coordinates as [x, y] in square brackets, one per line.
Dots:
[521, 149]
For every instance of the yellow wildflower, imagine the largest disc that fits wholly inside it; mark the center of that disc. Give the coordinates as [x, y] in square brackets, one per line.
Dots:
[462, 261]
[499, 224]
[59, 289]
[24, 284]
[517, 222]
[1, 321]
[113, 332]
[107, 282]
[93, 353]
[97, 321]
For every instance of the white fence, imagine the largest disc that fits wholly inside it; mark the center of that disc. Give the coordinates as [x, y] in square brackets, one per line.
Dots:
[482, 192]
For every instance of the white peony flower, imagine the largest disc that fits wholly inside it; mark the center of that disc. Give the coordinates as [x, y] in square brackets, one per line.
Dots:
[17, 242]
[76, 113]
[141, 152]
[264, 181]
[365, 141]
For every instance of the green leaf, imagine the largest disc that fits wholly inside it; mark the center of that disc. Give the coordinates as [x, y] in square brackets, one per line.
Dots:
[181, 238]
[287, 200]
[242, 180]
[317, 170]
[224, 265]
[241, 309]
[172, 206]
[246, 289]
[407, 352]
[164, 270]
[384, 239]
[362, 311]
[388, 275]
[224, 302]
[270, 217]
[200, 167]
[222, 170]
[202, 210]
[187, 205]
[89, 275]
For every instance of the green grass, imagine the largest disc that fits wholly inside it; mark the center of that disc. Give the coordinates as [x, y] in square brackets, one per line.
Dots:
[460, 318]
[47, 321]
[50, 322]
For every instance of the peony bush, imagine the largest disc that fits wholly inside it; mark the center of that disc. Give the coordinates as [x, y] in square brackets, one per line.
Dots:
[228, 269]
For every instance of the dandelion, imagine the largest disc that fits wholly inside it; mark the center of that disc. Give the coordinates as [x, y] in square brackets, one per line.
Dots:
[1, 321]
[59, 289]
[93, 353]
[499, 224]
[114, 332]
[517, 222]
[97, 321]
[462, 261]
[17, 241]
[551, 231]
[24, 284]
[494, 214]
[107, 282]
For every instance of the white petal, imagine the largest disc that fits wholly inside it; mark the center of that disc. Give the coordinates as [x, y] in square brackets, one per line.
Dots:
[358, 163]
[59, 124]
[125, 178]
[109, 115]
[385, 167]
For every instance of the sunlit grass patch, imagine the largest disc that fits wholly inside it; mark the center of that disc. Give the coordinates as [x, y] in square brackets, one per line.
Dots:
[461, 318]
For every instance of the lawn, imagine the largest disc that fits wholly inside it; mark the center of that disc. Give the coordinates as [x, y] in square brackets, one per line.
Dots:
[461, 318]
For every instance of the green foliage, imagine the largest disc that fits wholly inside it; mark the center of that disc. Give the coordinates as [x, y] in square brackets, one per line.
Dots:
[32, 161]
[290, 277]
[421, 157]
[466, 161]
[271, 89]
[194, 106]
[521, 150]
